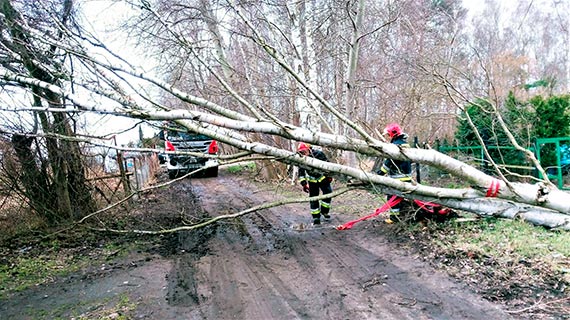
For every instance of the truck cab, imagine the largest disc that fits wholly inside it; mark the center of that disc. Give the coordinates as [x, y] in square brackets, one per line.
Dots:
[179, 139]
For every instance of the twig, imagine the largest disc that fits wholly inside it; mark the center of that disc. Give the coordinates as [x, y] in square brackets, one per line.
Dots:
[231, 216]
[538, 305]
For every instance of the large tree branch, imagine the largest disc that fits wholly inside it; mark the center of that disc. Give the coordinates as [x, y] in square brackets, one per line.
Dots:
[531, 194]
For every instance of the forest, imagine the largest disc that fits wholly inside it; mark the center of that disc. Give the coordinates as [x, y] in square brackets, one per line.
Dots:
[262, 77]
[482, 89]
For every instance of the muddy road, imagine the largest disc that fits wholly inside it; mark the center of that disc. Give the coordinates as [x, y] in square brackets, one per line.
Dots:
[262, 267]
[259, 266]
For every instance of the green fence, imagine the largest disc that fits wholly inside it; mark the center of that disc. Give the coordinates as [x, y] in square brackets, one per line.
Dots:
[554, 153]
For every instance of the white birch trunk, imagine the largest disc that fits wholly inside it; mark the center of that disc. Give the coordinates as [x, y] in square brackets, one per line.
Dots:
[348, 96]
[511, 210]
[301, 64]
[229, 126]
[225, 130]
[219, 45]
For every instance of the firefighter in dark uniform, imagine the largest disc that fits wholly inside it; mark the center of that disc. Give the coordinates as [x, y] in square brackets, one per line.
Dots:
[396, 169]
[313, 182]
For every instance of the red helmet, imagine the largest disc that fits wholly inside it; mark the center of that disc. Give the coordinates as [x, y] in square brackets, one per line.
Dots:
[303, 146]
[392, 130]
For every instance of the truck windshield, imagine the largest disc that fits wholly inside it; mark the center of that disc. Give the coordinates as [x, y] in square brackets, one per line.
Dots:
[186, 136]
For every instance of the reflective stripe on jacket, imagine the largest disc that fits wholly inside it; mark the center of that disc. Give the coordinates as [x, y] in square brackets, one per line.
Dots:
[307, 174]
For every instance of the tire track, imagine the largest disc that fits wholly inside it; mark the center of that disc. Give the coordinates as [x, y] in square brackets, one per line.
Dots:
[259, 268]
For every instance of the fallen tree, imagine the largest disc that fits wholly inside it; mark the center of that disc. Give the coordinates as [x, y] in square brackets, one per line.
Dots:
[254, 127]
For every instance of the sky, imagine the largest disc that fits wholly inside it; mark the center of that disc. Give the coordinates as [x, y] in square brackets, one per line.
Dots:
[104, 18]
[474, 6]
[106, 15]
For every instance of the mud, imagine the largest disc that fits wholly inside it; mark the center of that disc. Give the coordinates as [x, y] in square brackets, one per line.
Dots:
[261, 266]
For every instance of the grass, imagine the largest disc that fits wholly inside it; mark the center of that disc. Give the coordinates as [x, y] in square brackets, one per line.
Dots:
[119, 307]
[239, 168]
[49, 260]
[25, 272]
[509, 239]
[29, 269]
[496, 236]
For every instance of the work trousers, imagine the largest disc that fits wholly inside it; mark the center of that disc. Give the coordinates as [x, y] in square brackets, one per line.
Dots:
[323, 206]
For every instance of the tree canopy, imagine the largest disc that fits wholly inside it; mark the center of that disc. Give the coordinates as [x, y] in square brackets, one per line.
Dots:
[263, 76]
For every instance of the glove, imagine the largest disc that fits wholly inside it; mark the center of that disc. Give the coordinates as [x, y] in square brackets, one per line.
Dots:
[306, 187]
[328, 179]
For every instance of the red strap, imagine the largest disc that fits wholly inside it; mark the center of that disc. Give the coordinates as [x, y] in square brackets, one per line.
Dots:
[424, 205]
[430, 207]
[391, 203]
[493, 190]
[498, 186]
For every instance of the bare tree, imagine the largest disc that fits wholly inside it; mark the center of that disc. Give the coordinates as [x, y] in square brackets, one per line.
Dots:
[206, 101]
[55, 186]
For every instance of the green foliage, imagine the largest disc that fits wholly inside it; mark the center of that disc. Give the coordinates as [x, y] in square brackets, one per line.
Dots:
[539, 83]
[517, 114]
[519, 117]
[55, 260]
[238, 168]
[548, 83]
[480, 114]
[538, 118]
[492, 134]
[552, 117]
[26, 272]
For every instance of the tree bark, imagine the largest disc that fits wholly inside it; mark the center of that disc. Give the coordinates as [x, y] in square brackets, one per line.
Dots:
[350, 86]
[34, 180]
[511, 210]
[70, 189]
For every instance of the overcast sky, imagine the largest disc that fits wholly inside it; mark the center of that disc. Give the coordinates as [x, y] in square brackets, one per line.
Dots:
[105, 17]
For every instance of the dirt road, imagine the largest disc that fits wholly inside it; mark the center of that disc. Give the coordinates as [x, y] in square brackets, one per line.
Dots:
[260, 267]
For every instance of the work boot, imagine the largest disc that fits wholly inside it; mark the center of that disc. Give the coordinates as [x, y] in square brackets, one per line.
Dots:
[394, 215]
[316, 222]
[327, 217]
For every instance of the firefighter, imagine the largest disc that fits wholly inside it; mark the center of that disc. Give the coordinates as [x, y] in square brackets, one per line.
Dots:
[396, 169]
[313, 182]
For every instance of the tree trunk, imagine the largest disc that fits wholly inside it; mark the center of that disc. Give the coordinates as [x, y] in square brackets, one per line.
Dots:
[69, 189]
[35, 182]
[511, 210]
[350, 87]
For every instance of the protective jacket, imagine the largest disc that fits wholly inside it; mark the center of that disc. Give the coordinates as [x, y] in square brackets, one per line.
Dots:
[398, 169]
[314, 181]
[307, 174]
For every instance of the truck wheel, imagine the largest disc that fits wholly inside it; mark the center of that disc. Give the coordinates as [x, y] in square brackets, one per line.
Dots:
[161, 159]
[172, 174]
[212, 172]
